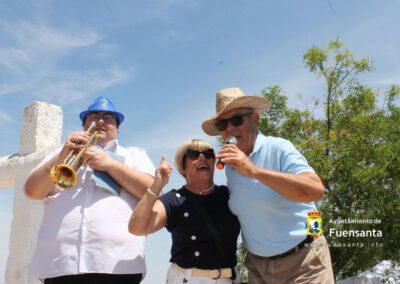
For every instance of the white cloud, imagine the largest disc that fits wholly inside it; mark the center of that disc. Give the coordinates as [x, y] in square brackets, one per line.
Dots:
[70, 87]
[30, 61]
[13, 59]
[34, 45]
[5, 117]
[104, 49]
[15, 87]
[39, 36]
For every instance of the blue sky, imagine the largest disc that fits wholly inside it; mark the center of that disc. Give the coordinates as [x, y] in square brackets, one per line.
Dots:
[162, 61]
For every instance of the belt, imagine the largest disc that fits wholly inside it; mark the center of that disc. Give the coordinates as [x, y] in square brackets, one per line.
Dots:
[210, 273]
[301, 245]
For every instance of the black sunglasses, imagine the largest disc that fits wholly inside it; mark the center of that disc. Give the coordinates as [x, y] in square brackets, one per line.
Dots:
[195, 154]
[235, 120]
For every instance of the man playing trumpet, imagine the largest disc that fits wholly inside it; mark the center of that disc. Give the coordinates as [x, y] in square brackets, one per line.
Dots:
[83, 237]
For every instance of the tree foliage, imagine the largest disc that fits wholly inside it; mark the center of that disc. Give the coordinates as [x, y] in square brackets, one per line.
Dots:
[362, 161]
[355, 149]
[339, 71]
[241, 255]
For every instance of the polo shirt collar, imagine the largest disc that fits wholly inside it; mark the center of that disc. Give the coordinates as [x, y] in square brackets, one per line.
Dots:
[259, 143]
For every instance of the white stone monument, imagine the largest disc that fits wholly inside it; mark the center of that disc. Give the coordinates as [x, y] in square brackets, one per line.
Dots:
[41, 132]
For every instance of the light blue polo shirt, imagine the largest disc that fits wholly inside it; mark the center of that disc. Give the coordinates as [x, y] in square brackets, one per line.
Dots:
[271, 224]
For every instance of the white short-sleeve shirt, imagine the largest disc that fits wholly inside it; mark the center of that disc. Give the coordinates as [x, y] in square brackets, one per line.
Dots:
[85, 229]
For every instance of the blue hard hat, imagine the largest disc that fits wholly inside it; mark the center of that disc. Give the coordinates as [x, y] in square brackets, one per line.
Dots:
[102, 104]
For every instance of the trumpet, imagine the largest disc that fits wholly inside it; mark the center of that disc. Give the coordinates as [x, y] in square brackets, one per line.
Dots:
[65, 174]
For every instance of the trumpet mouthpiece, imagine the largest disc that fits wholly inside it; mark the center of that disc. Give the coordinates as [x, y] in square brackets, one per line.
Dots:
[92, 126]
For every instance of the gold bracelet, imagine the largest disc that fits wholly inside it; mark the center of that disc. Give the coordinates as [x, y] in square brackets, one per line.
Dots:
[152, 193]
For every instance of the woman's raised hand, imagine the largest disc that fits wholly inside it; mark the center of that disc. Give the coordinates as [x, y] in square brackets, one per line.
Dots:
[162, 174]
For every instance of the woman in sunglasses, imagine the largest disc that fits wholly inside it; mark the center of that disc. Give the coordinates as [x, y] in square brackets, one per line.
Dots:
[204, 230]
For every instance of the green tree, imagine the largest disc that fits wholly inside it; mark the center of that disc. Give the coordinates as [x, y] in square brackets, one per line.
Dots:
[361, 163]
[339, 71]
[355, 148]
[241, 256]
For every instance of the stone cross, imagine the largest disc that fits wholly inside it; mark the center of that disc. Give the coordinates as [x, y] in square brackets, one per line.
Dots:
[40, 133]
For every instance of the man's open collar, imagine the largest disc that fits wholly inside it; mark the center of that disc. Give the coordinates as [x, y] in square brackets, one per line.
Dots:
[111, 145]
[258, 143]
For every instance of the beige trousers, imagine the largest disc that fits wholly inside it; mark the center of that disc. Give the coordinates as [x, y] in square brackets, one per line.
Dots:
[310, 264]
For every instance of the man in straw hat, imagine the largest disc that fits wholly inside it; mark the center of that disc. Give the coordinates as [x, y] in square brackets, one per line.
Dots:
[84, 237]
[272, 188]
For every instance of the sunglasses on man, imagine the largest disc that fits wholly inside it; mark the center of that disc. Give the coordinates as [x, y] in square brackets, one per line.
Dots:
[195, 154]
[235, 120]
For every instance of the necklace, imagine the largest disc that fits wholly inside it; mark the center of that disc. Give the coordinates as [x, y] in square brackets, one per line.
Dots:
[206, 190]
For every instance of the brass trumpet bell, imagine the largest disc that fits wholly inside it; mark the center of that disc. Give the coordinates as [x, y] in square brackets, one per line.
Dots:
[65, 174]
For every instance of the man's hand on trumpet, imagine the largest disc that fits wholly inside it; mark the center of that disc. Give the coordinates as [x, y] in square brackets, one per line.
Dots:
[75, 141]
[99, 160]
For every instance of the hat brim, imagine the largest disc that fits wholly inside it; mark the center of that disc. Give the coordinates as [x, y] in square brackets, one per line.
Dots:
[120, 117]
[259, 104]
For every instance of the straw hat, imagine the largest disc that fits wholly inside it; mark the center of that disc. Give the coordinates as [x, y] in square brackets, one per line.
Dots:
[233, 98]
